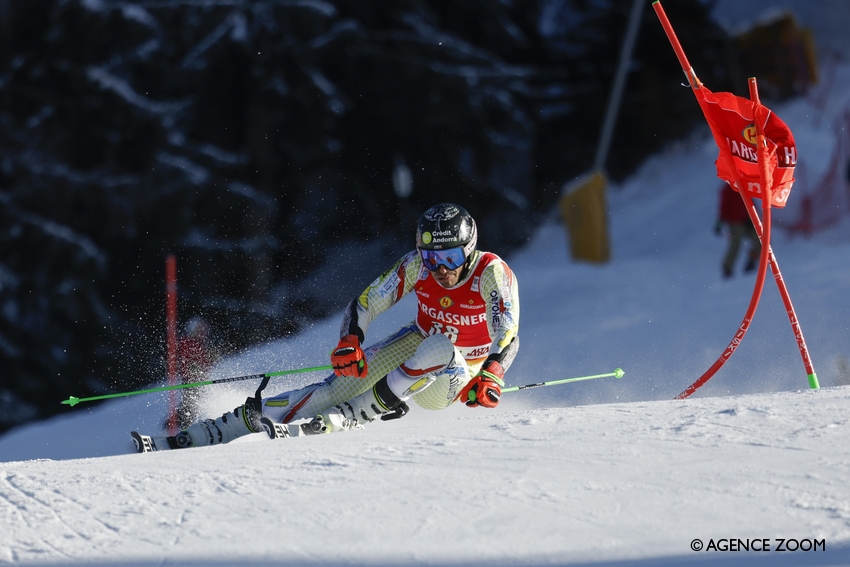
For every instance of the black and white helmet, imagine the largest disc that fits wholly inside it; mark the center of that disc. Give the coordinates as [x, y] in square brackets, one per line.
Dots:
[447, 226]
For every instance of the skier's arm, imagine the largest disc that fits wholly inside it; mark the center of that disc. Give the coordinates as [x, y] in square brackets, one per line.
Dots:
[380, 295]
[500, 291]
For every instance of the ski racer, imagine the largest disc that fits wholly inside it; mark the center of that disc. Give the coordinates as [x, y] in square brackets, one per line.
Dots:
[461, 342]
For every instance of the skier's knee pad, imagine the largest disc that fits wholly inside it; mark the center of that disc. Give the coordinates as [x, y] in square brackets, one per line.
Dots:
[403, 385]
[432, 354]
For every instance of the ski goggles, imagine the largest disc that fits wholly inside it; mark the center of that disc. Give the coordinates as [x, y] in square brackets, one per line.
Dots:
[451, 258]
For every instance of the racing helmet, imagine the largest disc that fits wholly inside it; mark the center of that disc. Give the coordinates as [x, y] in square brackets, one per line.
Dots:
[447, 226]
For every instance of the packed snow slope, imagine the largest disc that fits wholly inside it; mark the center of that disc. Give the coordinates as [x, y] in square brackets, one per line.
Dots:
[609, 471]
[627, 484]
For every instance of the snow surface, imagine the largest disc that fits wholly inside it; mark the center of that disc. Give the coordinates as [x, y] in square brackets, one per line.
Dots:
[609, 471]
[623, 484]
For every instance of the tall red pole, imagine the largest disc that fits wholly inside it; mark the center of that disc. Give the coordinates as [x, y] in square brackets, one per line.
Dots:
[759, 286]
[677, 47]
[171, 338]
[764, 236]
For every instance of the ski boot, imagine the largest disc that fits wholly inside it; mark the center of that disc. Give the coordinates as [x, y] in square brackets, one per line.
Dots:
[234, 424]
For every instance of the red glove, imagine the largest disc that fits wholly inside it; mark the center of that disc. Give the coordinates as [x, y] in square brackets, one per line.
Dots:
[348, 358]
[485, 388]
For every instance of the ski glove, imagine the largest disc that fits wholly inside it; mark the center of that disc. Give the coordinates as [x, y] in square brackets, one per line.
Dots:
[348, 359]
[485, 388]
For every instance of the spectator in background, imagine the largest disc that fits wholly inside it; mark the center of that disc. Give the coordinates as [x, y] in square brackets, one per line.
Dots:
[194, 359]
[733, 213]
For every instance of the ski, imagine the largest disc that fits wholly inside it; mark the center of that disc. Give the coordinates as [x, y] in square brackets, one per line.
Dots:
[274, 430]
[282, 430]
[149, 444]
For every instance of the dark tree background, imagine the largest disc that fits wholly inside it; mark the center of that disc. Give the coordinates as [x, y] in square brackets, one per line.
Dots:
[257, 141]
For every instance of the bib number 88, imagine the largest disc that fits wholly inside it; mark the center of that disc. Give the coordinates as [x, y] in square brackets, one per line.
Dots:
[448, 330]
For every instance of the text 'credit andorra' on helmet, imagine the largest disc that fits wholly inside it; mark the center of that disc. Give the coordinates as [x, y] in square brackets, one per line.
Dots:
[447, 226]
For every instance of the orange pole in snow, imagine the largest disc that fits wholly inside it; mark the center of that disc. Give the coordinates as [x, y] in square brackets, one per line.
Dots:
[171, 338]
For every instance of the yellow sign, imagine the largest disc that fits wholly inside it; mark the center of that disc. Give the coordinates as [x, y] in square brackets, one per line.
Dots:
[583, 210]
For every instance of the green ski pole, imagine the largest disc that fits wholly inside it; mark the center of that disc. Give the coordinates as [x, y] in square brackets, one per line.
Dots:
[72, 401]
[618, 373]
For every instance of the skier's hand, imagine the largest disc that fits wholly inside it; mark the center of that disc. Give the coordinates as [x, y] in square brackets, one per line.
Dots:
[348, 359]
[485, 388]
[718, 227]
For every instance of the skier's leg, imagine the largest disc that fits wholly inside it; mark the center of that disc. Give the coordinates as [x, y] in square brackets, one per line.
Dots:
[433, 376]
[449, 382]
[307, 402]
[435, 366]
[241, 421]
[378, 400]
[302, 403]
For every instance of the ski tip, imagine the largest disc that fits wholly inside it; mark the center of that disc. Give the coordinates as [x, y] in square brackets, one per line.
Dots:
[618, 373]
[137, 441]
[72, 401]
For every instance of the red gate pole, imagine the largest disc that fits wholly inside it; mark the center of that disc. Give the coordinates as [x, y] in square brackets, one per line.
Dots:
[762, 271]
[171, 338]
[777, 275]
[757, 290]
[786, 299]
